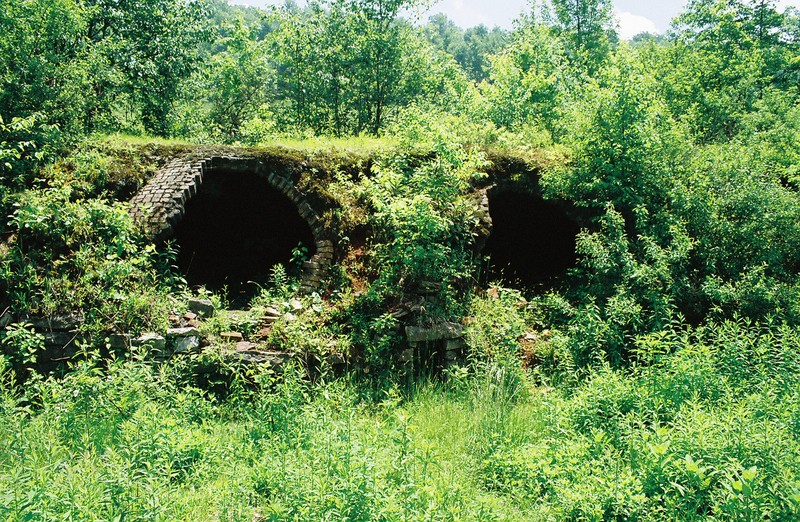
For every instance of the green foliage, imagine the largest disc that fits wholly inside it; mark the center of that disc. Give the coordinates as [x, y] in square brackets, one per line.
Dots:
[726, 57]
[630, 287]
[39, 41]
[21, 343]
[331, 52]
[84, 64]
[627, 147]
[13, 149]
[583, 24]
[470, 48]
[421, 216]
[81, 255]
[525, 85]
[18, 143]
[497, 325]
[238, 82]
[347, 66]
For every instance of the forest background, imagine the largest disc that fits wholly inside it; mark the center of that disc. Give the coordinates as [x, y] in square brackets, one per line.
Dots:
[661, 378]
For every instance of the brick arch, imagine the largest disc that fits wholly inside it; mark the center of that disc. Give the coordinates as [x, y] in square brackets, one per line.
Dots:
[161, 204]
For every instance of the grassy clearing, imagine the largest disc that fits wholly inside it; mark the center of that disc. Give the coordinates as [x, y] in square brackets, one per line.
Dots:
[352, 144]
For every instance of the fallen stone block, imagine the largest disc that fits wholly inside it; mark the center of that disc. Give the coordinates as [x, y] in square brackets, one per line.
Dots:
[203, 307]
[56, 323]
[438, 332]
[186, 344]
[233, 337]
[6, 319]
[263, 333]
[150, 340]
[273, 359]
[455, 346]
[119, 341]
[245, 346]
[187, 331]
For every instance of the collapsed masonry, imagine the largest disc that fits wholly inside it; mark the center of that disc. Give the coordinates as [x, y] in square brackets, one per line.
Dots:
[161, 205]
[531, 242]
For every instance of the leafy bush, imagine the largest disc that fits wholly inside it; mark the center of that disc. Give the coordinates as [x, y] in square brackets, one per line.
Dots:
[21, 343]
[82, 256]
[422, 219]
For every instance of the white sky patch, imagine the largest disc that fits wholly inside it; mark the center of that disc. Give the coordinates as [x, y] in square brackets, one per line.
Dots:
[630, 25]
[469, 13]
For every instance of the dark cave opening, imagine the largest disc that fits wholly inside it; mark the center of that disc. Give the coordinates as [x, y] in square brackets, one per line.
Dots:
[234, 231]
[532, 243]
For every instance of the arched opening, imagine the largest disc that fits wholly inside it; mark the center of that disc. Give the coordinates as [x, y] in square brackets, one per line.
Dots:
[235, 230]
[532, 243]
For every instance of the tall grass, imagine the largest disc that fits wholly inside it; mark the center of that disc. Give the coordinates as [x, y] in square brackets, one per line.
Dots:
[684, 435]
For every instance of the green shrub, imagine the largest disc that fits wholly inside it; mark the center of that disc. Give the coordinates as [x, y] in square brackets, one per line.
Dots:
[423, 221]
[603, 403]
[84, 256]
[20, 344]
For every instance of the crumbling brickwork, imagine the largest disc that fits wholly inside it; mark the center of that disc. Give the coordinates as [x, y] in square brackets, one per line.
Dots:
[161, 203]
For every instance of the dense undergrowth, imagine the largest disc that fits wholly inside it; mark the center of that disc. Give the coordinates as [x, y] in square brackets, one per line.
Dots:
[704, 426]
[593, 401]
[656, 379]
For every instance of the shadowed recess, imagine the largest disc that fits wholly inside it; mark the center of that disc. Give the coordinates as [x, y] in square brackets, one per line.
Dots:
[235, 230]
[532, 241]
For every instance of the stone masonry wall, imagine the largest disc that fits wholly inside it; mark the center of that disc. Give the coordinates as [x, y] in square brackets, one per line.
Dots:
[161, 204]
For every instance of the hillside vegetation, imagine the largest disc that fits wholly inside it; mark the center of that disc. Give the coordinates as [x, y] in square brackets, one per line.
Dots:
[657, 377]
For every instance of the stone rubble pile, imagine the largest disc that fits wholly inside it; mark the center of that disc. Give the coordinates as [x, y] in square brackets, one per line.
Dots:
[246, 341]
